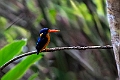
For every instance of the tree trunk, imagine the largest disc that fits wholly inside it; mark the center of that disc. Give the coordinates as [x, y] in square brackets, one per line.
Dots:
[113, 9]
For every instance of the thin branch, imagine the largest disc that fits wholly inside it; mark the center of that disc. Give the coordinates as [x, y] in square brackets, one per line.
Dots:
[56, 49]
[15, 21]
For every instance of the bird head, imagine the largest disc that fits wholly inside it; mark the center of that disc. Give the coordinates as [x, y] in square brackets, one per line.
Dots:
[45, 31]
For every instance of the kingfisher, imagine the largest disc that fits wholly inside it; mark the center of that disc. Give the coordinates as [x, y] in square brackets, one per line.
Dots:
[44, 38]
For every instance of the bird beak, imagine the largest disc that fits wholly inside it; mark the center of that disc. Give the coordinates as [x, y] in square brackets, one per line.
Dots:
[53, 30]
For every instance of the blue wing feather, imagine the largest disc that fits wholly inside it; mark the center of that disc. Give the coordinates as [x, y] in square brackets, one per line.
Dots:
[41, 43]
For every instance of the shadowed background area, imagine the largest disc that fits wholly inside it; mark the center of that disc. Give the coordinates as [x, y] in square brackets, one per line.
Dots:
[81, 23]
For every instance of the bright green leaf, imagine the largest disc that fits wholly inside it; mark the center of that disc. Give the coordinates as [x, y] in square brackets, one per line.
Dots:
[18, 71]
[11, 50]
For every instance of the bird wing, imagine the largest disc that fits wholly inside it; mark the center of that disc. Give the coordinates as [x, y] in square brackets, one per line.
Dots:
[41, 44]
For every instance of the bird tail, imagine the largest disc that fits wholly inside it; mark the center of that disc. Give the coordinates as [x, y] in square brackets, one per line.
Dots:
[37, 52]
[41, 54]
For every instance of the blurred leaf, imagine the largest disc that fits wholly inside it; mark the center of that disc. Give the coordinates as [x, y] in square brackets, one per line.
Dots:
[33, 76]
[16, 32]
[10, 50]
[60, 74]
[70, 76]
[18, 71]
[52, 15]
[99, 5]
[8, 37]
[3, 22]
[31, 6]
[76, 9]
[85, 12]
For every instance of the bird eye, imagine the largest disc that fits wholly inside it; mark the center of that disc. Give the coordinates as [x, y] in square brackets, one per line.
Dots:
[41, 34]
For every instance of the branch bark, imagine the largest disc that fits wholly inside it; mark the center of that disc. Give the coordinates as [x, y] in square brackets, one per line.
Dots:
[56, 49]
[113, 9]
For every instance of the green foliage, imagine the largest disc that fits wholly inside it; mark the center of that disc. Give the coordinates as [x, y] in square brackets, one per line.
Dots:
[18, 71]
[52, 15]
[99, 5]
[10, 51]
[33, 76]
[81, 23]
[3, 22]
[15, 32]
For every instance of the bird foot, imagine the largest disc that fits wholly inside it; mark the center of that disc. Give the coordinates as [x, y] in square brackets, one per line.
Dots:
[46, 49]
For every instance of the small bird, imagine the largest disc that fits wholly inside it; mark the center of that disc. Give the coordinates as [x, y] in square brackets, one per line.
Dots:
[44, 39]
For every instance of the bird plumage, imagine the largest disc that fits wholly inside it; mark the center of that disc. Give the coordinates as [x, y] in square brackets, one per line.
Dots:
[43, 39]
